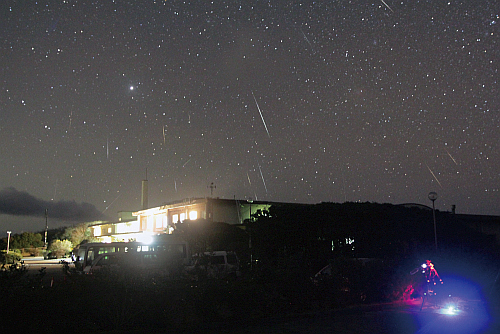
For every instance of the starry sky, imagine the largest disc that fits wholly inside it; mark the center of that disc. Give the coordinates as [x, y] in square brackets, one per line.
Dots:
[293, 101]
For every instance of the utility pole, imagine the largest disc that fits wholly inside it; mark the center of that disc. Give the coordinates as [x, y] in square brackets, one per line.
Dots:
[46, 226]
[8, 241]
[212, 186]
[433, 197]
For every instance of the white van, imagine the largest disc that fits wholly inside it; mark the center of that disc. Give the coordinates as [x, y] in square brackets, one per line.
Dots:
[86, 254]
[152, 261]
[217, 264]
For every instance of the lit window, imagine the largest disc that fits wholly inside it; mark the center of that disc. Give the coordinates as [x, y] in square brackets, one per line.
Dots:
[183, 217]
[150, 222]
[109, 229]
[158, 221]
[175, 218]
[193, 215]
[97, 231]
[132, 226]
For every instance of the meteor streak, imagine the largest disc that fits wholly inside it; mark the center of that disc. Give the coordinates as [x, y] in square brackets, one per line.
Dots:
[262, 176]
[434, 176]
[307, 39]
[387, 6]
[111, 203]
[70, 120]
[451, 157]
[260, 112]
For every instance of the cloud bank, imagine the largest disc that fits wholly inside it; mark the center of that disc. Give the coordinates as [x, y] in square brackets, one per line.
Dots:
[20, 203]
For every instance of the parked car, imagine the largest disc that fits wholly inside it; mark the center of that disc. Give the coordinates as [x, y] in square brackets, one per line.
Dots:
[217, 264]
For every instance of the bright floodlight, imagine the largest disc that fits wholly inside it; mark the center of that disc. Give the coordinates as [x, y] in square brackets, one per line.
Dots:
[146, 238]
[449, 310]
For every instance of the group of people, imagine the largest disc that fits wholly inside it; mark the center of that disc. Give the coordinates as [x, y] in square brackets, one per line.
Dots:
[430, 273]
[431, 279]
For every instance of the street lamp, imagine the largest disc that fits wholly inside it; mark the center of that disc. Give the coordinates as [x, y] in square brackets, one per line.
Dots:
[250, 201]
[46, 226]
[433, 197]
[8, 241]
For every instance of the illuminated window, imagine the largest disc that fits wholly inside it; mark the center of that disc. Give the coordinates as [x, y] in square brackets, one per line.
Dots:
[193, 215]
[183, 217]
[109, 229]
[158, 221]
[127, 227]
[175, 218]
[97, 231]
[150, 223]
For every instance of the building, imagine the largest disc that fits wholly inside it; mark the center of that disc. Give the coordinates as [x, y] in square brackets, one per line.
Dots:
[162, 219]
[142, 225]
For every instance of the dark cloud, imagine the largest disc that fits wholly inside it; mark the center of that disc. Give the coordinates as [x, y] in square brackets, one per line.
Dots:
[20, 203]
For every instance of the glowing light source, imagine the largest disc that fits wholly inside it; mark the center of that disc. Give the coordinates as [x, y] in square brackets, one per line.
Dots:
[145, 238]
[128, 227]
[449, 310]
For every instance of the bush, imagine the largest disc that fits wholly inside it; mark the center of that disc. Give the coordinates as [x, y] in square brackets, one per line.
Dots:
[34, 251]
[13, 256]
[60, 248]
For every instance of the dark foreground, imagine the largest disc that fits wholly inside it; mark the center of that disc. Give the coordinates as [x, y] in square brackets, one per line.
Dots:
[397, 318]
[141, 303]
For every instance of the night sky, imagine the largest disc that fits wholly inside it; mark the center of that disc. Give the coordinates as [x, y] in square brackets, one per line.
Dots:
[293, 101]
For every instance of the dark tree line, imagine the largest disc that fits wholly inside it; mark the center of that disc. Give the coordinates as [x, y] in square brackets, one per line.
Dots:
[23, 240]
[324, 231]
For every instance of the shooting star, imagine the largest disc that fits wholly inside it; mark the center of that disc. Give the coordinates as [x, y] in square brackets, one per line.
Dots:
[111, 203]
[249, 182]
[186, 162]
[451, 157]
[55, 190]
[262, 176]
[70, 119]
[164, 135]
[434, 176]
[307, 39]
[107, 148]
[175, 185]
[387, 6]
[260, 112]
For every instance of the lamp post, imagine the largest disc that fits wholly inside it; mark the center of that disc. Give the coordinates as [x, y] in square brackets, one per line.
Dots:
[46, 226]
[8, 241]
[250, 201]
[433, 197]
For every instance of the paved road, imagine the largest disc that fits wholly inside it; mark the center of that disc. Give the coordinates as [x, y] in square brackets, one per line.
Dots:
[394, 318]
[53, 270]
[399, 318]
